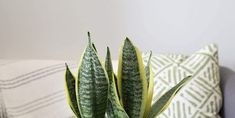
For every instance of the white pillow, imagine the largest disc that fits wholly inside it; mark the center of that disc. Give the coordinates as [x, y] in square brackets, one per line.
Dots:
[34, 88]
[201, 97]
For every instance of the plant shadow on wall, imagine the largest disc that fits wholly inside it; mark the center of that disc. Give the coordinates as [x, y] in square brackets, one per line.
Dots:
[97, 92]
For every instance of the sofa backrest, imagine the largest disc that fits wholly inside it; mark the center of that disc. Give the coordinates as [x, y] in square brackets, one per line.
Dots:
[228, 88]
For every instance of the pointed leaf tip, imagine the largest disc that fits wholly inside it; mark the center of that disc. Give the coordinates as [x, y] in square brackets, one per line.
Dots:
[89, 38]
[66, 65]
[150, 56]
[88, 33]
[127, 39]
[108, 51]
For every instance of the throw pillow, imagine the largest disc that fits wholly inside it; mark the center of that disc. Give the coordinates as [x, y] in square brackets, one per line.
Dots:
[201, 97]
[33, 89]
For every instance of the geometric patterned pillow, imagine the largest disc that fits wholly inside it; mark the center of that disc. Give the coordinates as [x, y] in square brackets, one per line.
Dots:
[201, 97]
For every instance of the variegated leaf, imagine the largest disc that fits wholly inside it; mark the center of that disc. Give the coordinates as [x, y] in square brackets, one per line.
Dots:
[147, 69]
[150, 82]
[93, 45]
[116, 84]
[92, 85]
[108, 65]
[164, 101]
[132, 83]
[114, 110]
[70, 91]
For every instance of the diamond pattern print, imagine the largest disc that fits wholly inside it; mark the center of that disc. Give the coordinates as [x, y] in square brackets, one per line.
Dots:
[201, 97]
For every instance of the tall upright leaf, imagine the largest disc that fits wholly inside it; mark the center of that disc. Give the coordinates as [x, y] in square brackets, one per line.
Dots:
[164, 101]
[116, 84]
[109, 65]
[92, 84]
[70, 91]
[150, 84]
[114, 109]
[132, 83]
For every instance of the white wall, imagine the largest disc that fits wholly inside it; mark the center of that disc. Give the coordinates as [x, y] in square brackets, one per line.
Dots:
[56, 29]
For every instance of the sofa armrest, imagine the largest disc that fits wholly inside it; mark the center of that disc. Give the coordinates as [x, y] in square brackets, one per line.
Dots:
[228, 89]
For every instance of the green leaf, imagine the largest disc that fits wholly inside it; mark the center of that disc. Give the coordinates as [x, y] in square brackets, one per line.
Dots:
[92, 85]
[150, 82]
[132, 83]
[164, 101]
[93, 45]
[148, 69]
[70, 91]
[116, 84]
[114, 109]
[108, 65]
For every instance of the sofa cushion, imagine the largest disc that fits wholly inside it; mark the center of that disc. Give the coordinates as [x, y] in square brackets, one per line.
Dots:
[201, 97]
[228, 87]
[33, 89]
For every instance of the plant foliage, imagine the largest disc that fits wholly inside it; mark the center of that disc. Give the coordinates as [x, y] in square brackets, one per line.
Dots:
[97, 92]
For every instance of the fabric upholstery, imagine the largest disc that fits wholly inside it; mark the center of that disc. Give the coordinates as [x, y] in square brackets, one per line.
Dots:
[228, 88]
[201, 97]
[33, 89]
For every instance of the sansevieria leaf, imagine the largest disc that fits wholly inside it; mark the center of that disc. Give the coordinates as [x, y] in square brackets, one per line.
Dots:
[92, 85]
[93, 45]
[114, 110]
[150, 84]
[132, 83]
[164, 101]
[98, 93]
[109, 66]
[116, 84]
[70, 91]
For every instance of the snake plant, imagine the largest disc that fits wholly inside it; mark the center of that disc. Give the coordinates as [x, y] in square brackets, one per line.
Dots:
[96, 92]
